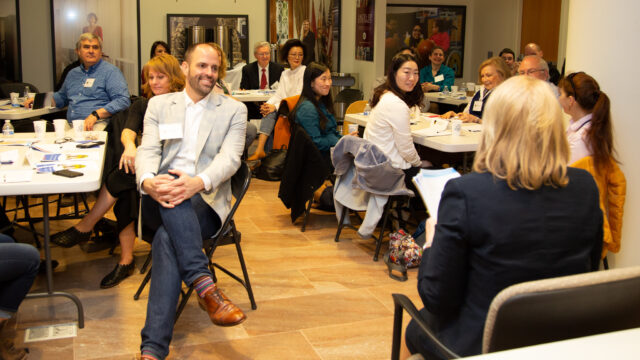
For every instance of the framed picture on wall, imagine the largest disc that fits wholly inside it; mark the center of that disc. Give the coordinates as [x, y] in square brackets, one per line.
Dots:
[315, 22]
[115, 22]
[423, 27]
[231, 32]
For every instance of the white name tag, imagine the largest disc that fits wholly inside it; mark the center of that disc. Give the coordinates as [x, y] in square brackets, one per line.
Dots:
[477, 106]
[89, 82]
[438, 78]
[170, 131]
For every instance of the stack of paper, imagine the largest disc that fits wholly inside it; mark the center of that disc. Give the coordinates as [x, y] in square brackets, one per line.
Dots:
[430, 184]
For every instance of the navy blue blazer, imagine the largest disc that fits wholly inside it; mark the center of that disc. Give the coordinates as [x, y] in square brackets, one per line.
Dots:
[489, 237]
[251, 80]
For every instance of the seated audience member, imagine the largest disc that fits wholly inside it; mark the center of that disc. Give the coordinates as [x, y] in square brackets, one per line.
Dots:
[260, 74]
[435, 77]
[492, 72]
[94, 91]
[158, 48]
[534, 49]
[533, 65]
[293, 52]
[389, 126]
[186, 193]
[495, 228]
[314, 111]
[509, 58]
[590, 139]
[223, 88]
[19, 265]
[119, 186]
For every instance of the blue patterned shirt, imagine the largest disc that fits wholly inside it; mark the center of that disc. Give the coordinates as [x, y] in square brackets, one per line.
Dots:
[83, 91]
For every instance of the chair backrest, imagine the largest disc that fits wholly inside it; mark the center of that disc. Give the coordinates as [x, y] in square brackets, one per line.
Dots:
[282, 129]
[356, 107]
[8, 88]
[542, 311]
[348, 96]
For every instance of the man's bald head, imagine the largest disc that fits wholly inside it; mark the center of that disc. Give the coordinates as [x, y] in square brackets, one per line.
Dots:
[533, 49]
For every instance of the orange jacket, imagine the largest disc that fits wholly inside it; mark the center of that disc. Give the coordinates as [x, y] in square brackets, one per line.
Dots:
[613, 188]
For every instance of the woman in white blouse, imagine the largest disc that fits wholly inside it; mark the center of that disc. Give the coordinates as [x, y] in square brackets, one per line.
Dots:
[389, 126]
[290, 84]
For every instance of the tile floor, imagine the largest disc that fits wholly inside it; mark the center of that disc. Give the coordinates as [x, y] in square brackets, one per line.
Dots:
[317, 299]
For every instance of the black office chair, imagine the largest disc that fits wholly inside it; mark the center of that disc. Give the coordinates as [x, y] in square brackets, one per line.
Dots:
[227, 235]
[7, 88]
[542, 311]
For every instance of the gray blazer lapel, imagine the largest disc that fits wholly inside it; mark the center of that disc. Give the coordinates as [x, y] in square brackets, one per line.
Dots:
[176, 111]
[207, 122]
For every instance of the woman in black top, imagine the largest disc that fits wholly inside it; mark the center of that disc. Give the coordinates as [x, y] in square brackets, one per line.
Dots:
[119, 186]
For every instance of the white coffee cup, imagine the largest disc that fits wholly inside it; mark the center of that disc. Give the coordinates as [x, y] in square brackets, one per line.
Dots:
[15, 98]
[456, 127]
[31, 95]
[353, 127]
[40, 128]
[59, 126]
[471, 86]
[454, 88]
[78, 128]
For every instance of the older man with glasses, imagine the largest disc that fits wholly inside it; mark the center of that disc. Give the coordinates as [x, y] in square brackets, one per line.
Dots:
[535, 66]
[260, 74]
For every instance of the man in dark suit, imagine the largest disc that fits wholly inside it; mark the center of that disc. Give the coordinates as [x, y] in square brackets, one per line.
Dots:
[260, 74]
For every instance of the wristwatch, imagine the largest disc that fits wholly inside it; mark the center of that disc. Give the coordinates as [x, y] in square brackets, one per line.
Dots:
[95, 113]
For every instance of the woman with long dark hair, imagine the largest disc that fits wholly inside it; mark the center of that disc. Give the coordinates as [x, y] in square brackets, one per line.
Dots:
[389, 126]
[314, 111]
[590, 137]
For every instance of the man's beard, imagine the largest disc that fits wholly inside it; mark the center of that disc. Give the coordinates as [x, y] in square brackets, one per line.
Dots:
[194, 82]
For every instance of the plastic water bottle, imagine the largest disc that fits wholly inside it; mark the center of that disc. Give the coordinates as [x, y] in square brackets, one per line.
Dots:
[367, 110]
[26, 92]
[7, 129]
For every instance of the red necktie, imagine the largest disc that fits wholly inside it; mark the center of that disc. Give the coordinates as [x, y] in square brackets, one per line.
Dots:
[263, 80]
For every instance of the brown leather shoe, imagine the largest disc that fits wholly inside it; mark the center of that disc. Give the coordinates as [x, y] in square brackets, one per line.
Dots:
[221, 310]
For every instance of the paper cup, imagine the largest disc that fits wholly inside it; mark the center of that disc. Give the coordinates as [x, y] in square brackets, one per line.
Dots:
[31, 95]
[456, 127]
[59, 126]
[353, 127]
[78, 128]
[40, 128]
[15, 98]
[454, 88]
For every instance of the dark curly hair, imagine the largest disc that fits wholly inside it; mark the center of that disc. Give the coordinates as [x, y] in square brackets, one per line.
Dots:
[159, 43]
[284, 54]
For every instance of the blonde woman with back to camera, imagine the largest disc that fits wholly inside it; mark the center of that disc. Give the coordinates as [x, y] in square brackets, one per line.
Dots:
[492, 72]
[521, 215]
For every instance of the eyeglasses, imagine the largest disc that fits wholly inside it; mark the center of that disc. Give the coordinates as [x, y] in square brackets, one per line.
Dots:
[262, 54]
[63, 140]
[529, 72]
[296, 55]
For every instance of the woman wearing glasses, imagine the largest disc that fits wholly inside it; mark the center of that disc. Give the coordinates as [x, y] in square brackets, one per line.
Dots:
[492, 72]
[290, 84]
[163, 75]
[591, 144]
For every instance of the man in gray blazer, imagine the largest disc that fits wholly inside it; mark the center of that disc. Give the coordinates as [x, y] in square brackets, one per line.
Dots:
[191, 146]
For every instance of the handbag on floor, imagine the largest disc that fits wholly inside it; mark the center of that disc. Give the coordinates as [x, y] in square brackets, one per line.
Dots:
[403, 253]
[272, 166]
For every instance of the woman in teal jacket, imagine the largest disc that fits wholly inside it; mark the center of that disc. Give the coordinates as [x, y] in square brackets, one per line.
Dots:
[436, 76]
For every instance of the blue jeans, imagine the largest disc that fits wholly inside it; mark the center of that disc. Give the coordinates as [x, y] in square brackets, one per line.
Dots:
[268, 123]
[177, 256]
[19, 264]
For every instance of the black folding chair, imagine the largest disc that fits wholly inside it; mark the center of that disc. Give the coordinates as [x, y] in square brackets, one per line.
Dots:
[227, 235]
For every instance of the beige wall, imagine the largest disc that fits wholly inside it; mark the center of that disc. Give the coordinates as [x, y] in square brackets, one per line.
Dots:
[617, 77]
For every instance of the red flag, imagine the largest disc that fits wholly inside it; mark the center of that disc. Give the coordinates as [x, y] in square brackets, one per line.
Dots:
[313, 20]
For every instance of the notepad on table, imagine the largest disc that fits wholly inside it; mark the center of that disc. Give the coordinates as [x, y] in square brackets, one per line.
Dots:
[430, 184]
